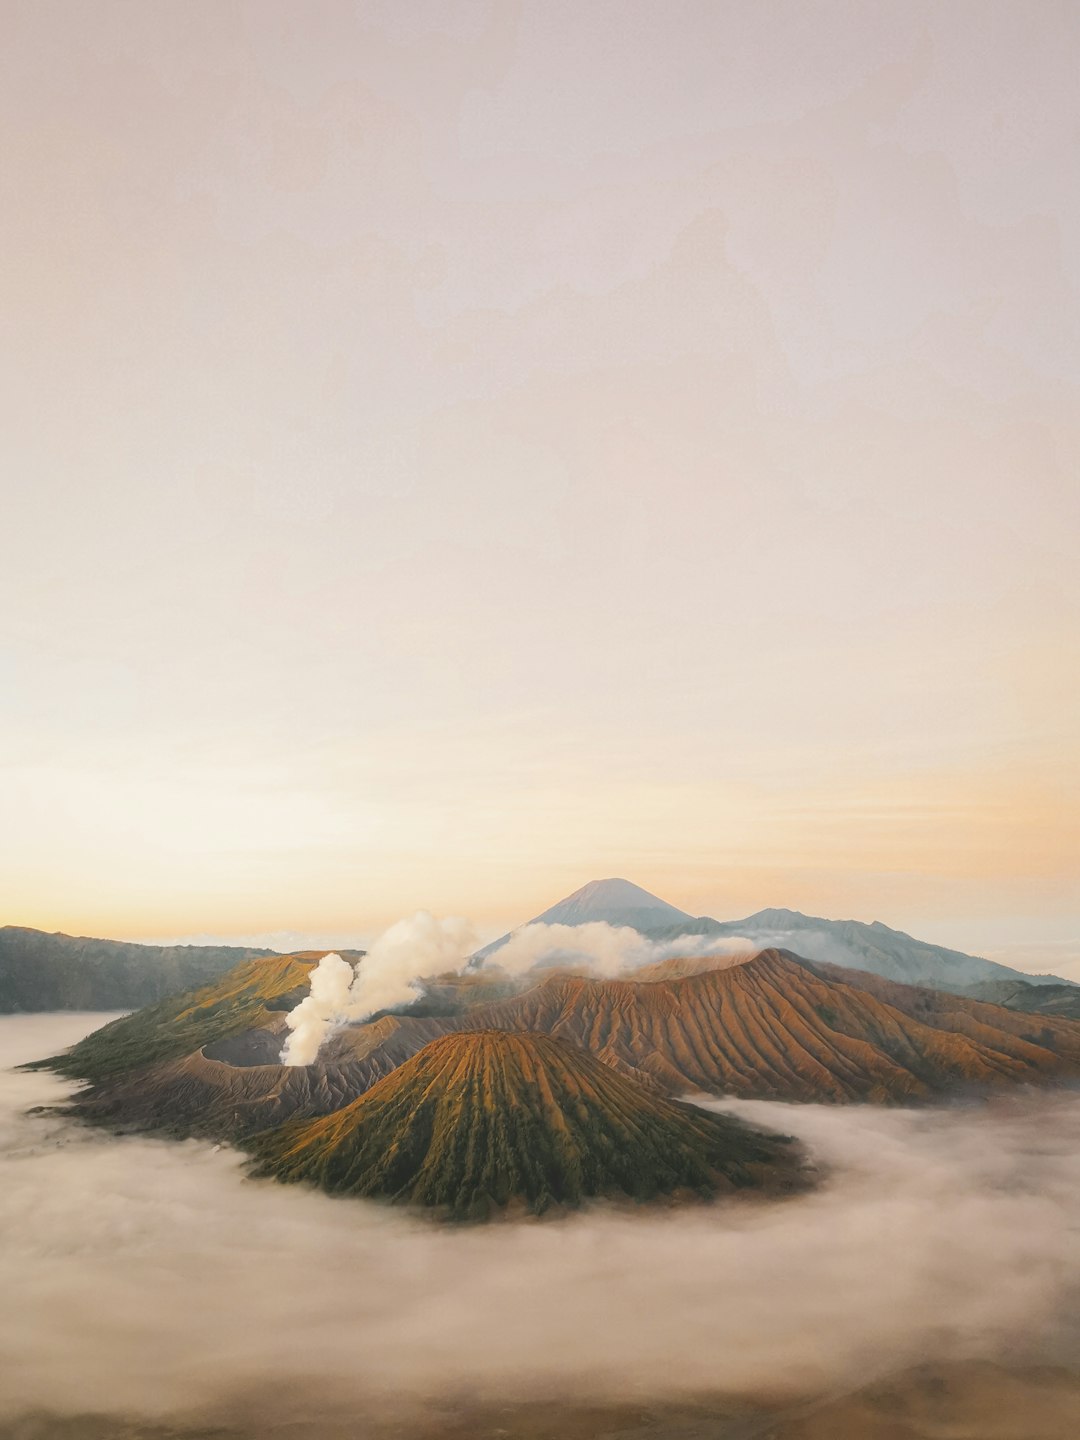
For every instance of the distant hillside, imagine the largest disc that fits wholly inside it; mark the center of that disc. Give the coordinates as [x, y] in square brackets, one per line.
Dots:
[1041, 999]
[478, 1122]
[851, 943]
[859, 946]
[39, 971]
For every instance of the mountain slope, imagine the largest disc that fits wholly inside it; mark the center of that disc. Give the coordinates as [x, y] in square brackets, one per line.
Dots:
[249, 996]
[479, 1121]
[679, 967]
[777, 1028]
[850, 943]
[230, 1083]
[39, 971]
[1042, 999]
[960, 1011]
[773, 1027]
[612, 902]
[201, 1094]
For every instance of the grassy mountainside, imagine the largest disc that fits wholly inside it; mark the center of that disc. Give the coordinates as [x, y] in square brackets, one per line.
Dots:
[478, 1121]
[248, 997]
[68, 972]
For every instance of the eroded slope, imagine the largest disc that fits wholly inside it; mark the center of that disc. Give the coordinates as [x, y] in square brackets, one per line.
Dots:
[478, 1121]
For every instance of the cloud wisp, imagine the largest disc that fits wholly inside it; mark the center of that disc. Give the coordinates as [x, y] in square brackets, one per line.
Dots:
[605, 950]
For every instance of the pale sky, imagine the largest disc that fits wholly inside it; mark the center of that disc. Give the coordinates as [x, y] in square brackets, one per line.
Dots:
[455, 451]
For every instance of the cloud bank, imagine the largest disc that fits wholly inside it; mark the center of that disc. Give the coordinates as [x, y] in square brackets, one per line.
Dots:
[152, 1277]
[606, 950]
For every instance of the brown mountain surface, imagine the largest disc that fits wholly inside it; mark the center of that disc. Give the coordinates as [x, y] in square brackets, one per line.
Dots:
[774, 1027]
[478, 1121]
[678, 967]
[235, 1086]
[778, 1028]
[972, 1015]
[199, 1095]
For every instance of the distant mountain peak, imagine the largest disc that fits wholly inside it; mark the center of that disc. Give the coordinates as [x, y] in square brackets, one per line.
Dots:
[603, 899]
[608, 902]
[616, 891]
[777, 915]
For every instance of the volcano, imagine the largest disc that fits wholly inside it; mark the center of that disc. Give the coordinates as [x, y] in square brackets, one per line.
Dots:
[615, 902]
[773, 1027]
[481, 1122]
[609, 902]
[853, 944]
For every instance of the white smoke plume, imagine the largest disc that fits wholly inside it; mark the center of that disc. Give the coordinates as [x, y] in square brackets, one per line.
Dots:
[421, 946]
[386, 976]
[605, 950]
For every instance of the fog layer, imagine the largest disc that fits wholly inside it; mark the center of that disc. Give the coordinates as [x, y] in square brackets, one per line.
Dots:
[152, 1276]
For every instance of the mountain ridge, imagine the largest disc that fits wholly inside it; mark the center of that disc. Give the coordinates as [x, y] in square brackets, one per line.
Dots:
[613, 901]
[776, 1027]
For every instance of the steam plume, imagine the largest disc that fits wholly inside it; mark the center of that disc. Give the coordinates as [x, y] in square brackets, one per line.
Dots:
[387, 976]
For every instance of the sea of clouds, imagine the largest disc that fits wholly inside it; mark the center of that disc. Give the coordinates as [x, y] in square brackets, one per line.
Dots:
[150, 1277]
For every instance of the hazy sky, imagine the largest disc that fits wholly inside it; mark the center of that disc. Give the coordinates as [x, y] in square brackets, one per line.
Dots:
[455, 451]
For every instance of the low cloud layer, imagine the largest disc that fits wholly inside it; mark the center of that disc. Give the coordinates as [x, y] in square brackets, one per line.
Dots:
[606, 950]
[152, 1277]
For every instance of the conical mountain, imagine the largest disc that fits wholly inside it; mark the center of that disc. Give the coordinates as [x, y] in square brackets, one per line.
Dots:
[480, 1121]
[611, 902]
